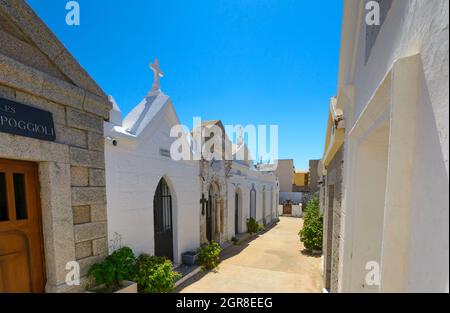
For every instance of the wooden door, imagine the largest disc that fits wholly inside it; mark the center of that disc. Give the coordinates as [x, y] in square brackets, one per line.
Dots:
[21, 246]
[287, 209]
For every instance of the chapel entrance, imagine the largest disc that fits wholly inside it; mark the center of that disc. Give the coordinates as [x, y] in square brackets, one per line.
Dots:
[21, 244]
[162, 217]
[209, 225]
[253, 203]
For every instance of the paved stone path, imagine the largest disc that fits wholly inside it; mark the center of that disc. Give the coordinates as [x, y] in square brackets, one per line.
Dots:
[272, 262]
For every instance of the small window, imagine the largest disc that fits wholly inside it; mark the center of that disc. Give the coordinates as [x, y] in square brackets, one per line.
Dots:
[3, 201]
[19, 196]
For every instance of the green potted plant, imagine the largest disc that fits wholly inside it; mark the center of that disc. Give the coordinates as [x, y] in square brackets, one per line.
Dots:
[155, 274]
[114, 274]
[209, 255]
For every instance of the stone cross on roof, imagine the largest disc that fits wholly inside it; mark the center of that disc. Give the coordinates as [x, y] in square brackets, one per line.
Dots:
[157, 74]
[240, 140]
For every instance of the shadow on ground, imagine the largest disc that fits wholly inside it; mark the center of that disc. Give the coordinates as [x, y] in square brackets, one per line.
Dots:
[310, 253]
[227, 253]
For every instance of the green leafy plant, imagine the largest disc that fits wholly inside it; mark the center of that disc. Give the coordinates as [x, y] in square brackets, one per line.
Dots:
[115, 268]
[234, 240]
[312, 232]
[155, 274]
[252, 226]
[209, 255]
[261, 227]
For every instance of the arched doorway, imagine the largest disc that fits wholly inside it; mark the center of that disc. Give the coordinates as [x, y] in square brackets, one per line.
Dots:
[236, 213]
[162, 217]
[272, 206]
[264, 205]
[253, 203]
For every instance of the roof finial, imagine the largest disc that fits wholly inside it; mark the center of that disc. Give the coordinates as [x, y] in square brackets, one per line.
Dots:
[157, 73]
[240, 140]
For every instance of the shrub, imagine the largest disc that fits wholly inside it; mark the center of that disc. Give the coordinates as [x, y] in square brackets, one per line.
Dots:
[155, 274]
[209, 255]
[261, 227]
[312, 232]
[115, 268]
[252, 226]
[234, 240]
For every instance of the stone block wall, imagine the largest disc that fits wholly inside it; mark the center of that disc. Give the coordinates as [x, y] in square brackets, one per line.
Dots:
[331, 224]
[78, 116]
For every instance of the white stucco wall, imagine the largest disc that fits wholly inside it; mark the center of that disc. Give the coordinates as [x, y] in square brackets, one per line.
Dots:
[133, 170]
[297, 210]
[243, 183]
[411, 27]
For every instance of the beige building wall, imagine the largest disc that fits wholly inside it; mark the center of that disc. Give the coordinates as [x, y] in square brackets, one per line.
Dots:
[313, 175]
[285, 173]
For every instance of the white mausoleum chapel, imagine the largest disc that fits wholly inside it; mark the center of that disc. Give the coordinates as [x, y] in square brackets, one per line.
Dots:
[165, 207]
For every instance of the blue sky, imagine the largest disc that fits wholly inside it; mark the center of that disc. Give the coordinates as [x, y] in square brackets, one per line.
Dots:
[241, 61]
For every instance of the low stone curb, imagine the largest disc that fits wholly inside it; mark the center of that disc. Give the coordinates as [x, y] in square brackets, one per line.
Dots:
[188, 276]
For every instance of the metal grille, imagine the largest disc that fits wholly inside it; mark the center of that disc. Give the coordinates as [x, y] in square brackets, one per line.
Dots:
[162, 210]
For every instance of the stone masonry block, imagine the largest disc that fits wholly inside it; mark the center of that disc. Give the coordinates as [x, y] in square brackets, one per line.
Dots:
[98, 212]
[81, 214]
[100, 246]
[90, 231]
[79, 176]
[96, 141]
[83, 249]
[87, 158]
[82, 120]
[97, 177]
[88, 195]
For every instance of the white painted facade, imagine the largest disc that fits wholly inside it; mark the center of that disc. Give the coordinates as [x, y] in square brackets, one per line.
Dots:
[229, 184]
[137, 156]
[396, 105]
[242, 179]
[135, 167]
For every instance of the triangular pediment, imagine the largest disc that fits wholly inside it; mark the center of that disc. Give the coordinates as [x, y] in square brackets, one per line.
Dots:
[27, 39]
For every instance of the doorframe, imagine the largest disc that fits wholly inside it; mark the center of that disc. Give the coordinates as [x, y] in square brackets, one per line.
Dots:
[175, 241]
[253, 209]
[171, 197]
[53, 161]
[36, 186]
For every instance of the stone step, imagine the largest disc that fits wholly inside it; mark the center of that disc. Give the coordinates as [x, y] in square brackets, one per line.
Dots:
[186, 271]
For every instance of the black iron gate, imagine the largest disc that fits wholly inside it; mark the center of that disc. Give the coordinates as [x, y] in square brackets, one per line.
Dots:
[209, 218]
[162, 213]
